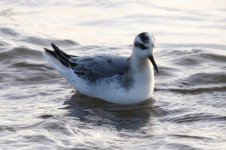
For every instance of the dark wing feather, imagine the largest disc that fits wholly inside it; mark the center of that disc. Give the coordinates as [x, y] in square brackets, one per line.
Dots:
[91, 68]
[94, 68]
[61, 56]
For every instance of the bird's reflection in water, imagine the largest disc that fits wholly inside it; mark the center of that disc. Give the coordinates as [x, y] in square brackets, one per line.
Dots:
[98, 112]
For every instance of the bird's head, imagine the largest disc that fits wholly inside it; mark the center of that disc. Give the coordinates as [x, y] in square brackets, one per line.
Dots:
[144, 45]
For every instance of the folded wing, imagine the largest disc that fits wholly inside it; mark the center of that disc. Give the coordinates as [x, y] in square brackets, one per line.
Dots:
[90, 68]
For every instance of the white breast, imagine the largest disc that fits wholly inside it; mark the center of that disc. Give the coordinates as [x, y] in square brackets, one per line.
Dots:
[112, 91]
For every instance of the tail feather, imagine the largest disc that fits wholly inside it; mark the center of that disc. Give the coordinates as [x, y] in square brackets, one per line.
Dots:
[62, 57]
[60, 52]
[52, 53]
[60, 64]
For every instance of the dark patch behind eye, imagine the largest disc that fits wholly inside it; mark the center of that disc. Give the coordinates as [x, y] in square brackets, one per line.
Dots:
[139, 45]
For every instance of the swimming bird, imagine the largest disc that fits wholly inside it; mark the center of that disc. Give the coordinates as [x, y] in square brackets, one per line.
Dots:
[121, 80]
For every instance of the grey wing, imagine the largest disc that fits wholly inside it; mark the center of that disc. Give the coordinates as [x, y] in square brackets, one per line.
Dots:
[91, 68]
[94, 68]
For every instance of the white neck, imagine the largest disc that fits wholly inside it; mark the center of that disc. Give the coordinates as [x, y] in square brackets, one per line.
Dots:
[141, 74]
[139, 64]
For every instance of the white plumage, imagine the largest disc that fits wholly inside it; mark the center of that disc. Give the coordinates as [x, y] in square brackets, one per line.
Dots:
[114, 79]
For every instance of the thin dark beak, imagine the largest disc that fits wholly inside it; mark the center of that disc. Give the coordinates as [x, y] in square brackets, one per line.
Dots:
[151, 58]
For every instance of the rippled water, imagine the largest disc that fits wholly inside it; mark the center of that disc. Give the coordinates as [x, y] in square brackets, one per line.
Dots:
[40, 110]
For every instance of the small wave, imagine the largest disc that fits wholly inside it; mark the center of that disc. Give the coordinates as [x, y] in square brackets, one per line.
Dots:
[46, 42]
[194, 57]
[194, 90]
[191, 137]
[7, 128]
[215, 57]
[206, 78]
[8, 32]
[56, 125]
[194, 46]
[24, 65]
[178, 146]
[199, 59]
[196, 83]
[192, 118]
[3, 45]
[16, 52]
[201, 78]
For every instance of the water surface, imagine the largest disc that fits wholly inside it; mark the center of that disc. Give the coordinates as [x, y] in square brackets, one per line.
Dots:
[40, 110]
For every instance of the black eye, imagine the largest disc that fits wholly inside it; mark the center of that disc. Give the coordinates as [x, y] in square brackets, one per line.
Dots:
[141, 46]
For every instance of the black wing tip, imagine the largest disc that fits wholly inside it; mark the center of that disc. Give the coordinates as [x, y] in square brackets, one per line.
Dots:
[55, 47]
[61, 56]
[54, 54]
[58, 50]
[46, 49]
[50, 52]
